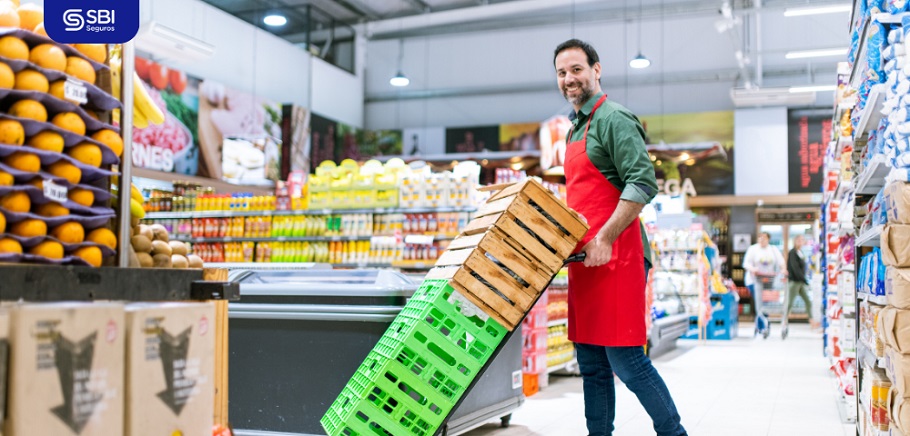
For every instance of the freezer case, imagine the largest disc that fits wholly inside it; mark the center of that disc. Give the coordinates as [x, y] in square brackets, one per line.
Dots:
[297, 336]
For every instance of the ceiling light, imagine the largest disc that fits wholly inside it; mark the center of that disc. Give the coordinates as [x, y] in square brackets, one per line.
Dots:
[275, 20]
[802, 54]
[812, 88]
[817, 10]
[399, 80]
[640, 62]
[684, 156]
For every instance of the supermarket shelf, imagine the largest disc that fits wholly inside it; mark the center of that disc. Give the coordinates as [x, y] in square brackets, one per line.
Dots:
[871, 237]
[274, 239]
[880, 300]
[557, 322]
[842, 141]
[414, 264]
[677, 249]
[677, 270]
[872, 113]
[872, 179]
[844, 229]
[562, 366]
[890, 19]
[80, 283]
[308, 212]
[848, 268]
[858, 72]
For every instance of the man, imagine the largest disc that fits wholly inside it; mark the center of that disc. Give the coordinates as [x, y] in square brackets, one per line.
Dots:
[799, 282]
[762, 262]
[609, 179]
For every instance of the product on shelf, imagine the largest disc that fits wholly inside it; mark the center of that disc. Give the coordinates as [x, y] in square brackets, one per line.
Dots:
[895, 242]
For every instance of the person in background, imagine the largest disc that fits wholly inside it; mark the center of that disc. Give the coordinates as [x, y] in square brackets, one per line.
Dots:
[762, 263]
[609, 179]
[799, 282]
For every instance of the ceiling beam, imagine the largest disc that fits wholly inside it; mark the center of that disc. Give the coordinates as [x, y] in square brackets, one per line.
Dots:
[421, 5]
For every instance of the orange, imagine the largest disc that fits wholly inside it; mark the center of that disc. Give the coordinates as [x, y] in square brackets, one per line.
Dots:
[51, 209]
[81, 196]
[12, 132]
[13, 48]
[30, 109]
[95, 52]
[37, 182]
[103, 236]
[17, 201]
[56, 89]
[6, 179]
[39, 29]
[46, 140]
[30, 16]
[29, 228]
[69, 233]
[80, 68]
[31, 80]
[10, 245]
[7, 76]
[2, 223]
[69, 121]
[66, 170]
[92, 114]
[49, 56]
[111, 139]
[90, 254]
[48, 249]
[23, 161]
[8, 15]
[87, 153]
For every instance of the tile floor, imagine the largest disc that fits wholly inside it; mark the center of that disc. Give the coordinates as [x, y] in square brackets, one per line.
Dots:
[743, 387]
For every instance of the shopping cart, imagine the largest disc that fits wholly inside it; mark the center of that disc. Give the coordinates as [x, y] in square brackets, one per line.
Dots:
[766, 297]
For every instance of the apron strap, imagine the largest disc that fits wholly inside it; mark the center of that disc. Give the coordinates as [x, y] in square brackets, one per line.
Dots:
[588, 124]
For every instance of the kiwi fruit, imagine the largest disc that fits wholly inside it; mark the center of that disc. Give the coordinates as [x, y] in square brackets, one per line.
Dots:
[179, 261]
[141, 244]
[145, 260]
[178, 247]
[146, 231]
[160, 233]
[161, 260]
[161, 247]
[195, 261]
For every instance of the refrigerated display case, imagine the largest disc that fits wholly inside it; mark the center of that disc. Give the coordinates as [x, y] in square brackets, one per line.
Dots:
[299, 334]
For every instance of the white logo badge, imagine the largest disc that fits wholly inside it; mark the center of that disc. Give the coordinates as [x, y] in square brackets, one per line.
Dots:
[72, 18]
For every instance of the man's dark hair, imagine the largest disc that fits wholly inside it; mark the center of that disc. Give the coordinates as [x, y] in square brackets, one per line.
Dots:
[767, 235]
[577, 43]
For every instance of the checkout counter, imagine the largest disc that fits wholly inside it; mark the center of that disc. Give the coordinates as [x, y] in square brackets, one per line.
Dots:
[300, 331]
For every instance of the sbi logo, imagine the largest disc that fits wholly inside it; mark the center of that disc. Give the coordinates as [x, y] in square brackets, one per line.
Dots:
[75, 22]
[93, 22]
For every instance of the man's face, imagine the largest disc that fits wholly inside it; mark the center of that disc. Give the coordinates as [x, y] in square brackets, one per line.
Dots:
[763, 241]
[576, 79]
[799, 241]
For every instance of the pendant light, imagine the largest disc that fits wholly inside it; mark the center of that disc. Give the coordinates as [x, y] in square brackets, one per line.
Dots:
[400, 80]
[640, 61]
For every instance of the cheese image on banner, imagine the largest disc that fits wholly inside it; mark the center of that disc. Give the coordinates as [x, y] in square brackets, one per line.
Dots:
[170, 368]
[66, 369]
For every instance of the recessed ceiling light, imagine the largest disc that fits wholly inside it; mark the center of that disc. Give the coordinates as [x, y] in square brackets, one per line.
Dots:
[812, 88]
[275, 20]
[802, 54]
[817, 10]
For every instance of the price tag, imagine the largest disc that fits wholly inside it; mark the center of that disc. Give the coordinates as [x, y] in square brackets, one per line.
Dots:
[228, 239]
[335, 238]
[282, 239]
[267, 212]
[420, 265]
[326, 211]
[75, 91]
[419, 239]
[54, 192]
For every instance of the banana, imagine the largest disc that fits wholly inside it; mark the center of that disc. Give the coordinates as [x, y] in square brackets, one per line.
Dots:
[143, 102]
[136, 210]
[136, 194]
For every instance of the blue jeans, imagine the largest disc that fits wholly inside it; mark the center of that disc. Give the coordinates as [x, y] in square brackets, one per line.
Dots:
[598, 363]
[761, 321]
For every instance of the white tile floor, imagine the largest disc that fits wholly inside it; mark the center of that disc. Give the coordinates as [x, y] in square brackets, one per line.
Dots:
[744, 387]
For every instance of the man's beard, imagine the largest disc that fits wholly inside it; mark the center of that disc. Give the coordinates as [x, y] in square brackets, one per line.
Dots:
[585, 95]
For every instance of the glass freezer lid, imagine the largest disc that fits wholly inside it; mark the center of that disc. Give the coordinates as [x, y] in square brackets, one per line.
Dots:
[324, 282]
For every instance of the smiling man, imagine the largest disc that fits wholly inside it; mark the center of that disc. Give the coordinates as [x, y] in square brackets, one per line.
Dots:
[609, 179]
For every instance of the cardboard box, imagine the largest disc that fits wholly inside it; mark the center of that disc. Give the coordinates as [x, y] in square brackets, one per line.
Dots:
[66, 370]
[897, 287]
[898, 369]
[4, 359]
[897, 201]
[170, 366]
[896, 245]
[894, 325]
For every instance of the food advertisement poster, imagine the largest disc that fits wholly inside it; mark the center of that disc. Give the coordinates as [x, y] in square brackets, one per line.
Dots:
[519, 137]
[692, 153]
[172, 146]
[808, 133]
[296, 128]
[381, 143]
[472, 139]
[553, 141]
[239, 135]
[323, 133]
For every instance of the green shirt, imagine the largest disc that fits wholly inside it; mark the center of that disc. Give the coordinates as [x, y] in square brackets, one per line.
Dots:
[616, 147]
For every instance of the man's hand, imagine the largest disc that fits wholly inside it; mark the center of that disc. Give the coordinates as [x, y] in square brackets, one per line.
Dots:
[597, 252]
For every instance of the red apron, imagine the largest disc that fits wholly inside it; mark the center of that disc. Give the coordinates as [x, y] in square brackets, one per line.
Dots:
[606, 303]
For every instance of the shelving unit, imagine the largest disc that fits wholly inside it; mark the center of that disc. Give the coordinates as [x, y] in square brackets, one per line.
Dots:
[871, 237]
[872, 113]
[306, 212]
[872, 179]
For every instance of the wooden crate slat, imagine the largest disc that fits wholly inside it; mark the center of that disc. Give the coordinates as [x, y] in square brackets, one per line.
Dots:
[567, 218]
[454, 257]
[494, 207]
[473, 287]
[549, 260]
[496, 245]
[441, 273]
[466, 241]
[510, 190]
[562, 243]
[480, 225]
[501, 280]
[483, 306]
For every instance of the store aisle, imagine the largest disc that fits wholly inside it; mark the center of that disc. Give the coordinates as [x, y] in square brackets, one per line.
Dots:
[746, 387]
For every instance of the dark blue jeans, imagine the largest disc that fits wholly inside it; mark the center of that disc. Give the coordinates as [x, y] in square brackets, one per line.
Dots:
[598, 363]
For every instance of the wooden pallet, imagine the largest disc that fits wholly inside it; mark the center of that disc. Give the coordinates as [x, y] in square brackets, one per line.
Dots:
[508, 254]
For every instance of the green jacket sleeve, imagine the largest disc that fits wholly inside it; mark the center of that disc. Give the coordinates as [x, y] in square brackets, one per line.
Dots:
[625, 138]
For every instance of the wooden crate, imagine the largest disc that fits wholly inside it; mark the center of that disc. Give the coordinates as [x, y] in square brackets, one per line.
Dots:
[507, 255]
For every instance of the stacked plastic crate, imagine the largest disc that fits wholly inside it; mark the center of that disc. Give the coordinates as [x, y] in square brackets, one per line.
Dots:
[483, 286]
[534, 347]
